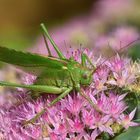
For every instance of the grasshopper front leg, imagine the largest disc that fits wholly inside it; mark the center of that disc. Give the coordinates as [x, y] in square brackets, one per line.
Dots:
[88, 99]
[85, 58]
[62, 95]
[78, 89]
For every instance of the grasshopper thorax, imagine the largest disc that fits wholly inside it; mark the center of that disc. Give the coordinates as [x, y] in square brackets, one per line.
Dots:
[80, 74]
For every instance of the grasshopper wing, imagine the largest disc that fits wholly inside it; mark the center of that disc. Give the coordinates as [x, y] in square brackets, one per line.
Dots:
[29, 62]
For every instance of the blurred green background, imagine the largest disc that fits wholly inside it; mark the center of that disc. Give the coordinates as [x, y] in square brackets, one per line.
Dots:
[98, 19]
[19, 20]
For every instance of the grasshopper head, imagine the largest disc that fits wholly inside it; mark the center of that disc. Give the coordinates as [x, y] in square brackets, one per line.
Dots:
[86, 77]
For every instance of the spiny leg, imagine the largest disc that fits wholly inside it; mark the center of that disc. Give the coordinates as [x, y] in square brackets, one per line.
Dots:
[52, 42]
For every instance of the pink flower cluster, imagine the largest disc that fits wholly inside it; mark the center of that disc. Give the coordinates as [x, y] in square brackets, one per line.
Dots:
[118, 38]
[73, 118]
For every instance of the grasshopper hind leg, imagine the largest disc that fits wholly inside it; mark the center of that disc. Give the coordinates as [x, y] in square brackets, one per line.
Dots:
[60, 54]
[39, 114]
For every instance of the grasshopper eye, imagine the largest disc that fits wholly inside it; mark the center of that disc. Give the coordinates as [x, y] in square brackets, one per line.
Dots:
[85, 76]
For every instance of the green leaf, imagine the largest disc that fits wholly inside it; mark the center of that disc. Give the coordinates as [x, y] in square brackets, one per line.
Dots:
[131, 101]
[134, 52]
[137, 116]
[105, 136]
[132, 133]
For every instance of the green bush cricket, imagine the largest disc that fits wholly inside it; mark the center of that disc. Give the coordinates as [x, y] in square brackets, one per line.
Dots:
[54, 75]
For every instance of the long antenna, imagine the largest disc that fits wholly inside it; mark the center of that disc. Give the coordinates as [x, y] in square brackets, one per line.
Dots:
[121, 49]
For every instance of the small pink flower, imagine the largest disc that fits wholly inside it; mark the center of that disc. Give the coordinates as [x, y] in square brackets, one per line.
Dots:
[61, 130]
[99, 85]
[100, 123]
[76, 125]
[123, 72]
[117, 64]
[126, 120]
[74, 104]
[88, 117]
[116, 106]
[54, 136]
[33, 131]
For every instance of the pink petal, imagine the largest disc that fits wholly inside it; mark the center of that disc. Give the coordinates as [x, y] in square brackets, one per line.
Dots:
[121, 97]
[134, 124]
[94, 134]
[132, 114]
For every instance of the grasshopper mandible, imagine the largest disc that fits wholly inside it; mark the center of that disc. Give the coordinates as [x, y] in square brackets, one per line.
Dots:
[55, 75]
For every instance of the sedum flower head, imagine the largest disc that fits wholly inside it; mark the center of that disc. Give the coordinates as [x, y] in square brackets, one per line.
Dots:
[73, 118]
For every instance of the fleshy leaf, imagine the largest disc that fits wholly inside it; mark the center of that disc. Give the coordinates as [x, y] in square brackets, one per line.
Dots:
[132, 133]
